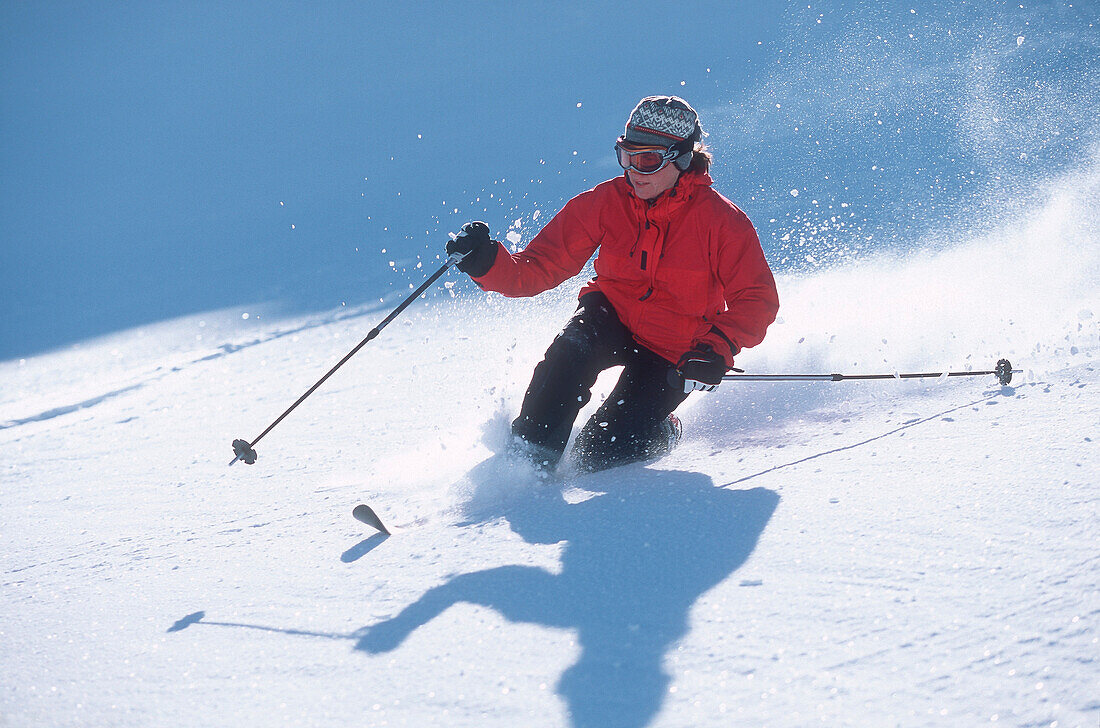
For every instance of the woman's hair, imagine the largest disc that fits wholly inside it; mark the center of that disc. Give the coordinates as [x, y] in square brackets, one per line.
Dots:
[700, 158]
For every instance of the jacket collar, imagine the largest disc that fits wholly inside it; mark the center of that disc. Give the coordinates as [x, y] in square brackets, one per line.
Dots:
[665, 204]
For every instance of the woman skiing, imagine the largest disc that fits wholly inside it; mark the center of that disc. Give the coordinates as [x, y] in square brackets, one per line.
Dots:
[681, 287]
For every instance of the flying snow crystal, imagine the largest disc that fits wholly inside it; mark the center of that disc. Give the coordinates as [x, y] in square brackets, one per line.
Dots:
[1019, 41]
[244, 316]
[578, 104]
[794, 193]
[513, 237]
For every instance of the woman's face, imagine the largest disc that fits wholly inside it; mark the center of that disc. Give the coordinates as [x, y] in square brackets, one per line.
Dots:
[650, 186]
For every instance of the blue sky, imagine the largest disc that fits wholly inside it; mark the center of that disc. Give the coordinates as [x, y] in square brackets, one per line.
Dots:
[160, 159]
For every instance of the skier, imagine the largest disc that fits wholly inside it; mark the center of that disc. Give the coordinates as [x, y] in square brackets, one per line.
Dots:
[681, 287]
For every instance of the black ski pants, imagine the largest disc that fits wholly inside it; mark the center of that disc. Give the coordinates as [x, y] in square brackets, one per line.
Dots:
[632, 424]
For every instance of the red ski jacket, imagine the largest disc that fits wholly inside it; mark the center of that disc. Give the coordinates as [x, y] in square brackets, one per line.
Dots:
[684, 269]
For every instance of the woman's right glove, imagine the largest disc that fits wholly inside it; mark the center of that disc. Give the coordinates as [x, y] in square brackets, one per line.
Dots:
[473, 242]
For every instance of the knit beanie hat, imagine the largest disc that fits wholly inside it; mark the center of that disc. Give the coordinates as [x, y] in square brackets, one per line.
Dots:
[664, 121]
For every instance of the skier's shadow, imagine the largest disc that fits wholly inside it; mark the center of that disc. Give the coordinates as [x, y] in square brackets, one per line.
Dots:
[637, 557]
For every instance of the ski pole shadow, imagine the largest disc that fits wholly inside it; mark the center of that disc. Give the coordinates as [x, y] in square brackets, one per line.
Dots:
[638, 555]
[200, 618]
[991, 398]
[755, 412]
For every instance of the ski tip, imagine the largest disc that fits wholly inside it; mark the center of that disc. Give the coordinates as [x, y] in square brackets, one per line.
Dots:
[366, 514]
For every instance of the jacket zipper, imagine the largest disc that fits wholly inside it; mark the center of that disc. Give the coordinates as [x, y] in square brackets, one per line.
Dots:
[645, 263]
[638, 239]
[645, 257]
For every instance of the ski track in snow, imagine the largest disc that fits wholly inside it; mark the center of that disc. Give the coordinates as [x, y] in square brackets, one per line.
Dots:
[160, 370]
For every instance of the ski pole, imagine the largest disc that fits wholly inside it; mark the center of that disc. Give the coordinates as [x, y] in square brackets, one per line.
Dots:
[1003, 370]
[244, 450]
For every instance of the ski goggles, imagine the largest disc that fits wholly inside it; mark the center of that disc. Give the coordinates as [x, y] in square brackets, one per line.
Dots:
[646, 161]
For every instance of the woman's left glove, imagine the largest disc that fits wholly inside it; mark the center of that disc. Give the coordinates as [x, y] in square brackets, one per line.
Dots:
[701, 368]
[473, 242]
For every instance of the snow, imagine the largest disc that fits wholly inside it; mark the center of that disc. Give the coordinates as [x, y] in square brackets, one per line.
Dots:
[879, 553]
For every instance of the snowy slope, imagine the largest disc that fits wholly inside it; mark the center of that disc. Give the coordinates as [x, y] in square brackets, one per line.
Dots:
[887, 553]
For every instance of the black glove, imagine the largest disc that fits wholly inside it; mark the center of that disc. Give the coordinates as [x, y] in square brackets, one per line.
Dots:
[701, 368]
[473, 241]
